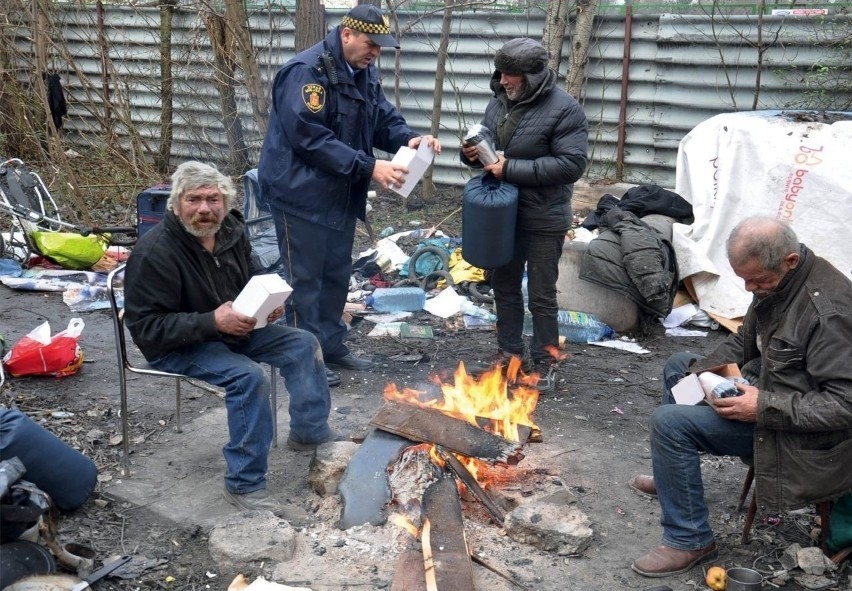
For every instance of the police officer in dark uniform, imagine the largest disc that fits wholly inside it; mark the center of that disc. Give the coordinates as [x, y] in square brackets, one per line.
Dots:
[328, 113]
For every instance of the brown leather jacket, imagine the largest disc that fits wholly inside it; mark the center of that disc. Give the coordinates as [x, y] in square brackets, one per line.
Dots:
[802, 333]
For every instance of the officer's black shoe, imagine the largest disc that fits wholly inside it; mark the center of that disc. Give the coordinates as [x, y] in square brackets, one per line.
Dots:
[350, 361]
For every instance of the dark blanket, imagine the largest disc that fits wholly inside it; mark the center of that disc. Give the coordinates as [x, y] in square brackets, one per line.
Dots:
[643, 200]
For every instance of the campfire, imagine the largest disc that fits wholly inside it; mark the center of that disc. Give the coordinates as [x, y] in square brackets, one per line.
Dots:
[452, 438]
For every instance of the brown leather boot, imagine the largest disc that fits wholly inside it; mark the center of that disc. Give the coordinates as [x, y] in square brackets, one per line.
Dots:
[643, 485]
[663, 561]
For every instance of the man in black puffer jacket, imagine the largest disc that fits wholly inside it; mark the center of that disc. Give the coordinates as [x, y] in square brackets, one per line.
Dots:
[541, 135]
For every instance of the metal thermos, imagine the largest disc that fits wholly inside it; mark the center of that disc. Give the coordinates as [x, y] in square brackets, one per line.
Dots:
[479, 136]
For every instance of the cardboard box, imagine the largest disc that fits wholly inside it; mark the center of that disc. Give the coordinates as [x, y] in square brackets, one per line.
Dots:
[261, 295]
[417, 162]
[689, 390]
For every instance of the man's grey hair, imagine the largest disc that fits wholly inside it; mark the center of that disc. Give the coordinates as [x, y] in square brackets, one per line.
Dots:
[195, 175]
[764, 239]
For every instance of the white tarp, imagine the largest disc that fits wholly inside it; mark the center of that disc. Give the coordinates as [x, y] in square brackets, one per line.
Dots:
[737, 165]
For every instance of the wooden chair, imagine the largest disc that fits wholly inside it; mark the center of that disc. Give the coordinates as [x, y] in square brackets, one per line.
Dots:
[124, 365]
[823, 510]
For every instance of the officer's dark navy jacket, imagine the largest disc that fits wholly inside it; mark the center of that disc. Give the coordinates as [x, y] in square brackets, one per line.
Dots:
[317, 157]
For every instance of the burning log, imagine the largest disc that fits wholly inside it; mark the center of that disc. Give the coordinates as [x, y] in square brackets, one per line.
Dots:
[432, 426]
[445, 554]
[472, 485]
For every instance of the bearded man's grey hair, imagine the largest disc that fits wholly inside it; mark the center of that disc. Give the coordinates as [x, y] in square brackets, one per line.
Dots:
[195, 175]
[764, 239]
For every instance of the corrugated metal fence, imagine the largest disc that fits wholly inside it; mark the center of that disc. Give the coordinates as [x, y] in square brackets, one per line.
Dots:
[682, 70]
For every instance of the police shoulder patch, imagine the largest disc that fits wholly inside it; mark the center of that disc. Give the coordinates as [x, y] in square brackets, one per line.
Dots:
[313, 95]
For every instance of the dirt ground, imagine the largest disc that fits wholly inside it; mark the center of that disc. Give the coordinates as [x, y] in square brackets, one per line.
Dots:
[595, 438]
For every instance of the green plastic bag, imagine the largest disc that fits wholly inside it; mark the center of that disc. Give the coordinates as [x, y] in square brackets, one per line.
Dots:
[71, 251]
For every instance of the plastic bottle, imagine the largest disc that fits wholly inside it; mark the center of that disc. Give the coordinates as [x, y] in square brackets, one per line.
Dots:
[718, 387]
[397, 299]
[468, 308]
[576, 327]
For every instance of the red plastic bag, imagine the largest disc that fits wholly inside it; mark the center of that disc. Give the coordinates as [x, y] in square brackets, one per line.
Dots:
[39, 354]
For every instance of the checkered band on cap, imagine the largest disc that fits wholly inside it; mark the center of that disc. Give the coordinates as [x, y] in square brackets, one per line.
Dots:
[382, 28]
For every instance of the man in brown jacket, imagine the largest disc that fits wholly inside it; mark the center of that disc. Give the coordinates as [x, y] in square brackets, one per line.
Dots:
[795, 419]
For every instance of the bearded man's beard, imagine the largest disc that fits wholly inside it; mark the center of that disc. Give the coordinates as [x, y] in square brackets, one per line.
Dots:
[195, 228]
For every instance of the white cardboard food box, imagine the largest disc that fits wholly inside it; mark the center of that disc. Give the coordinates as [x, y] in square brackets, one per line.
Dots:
[261, 295]
[689, 390]
[417, 162]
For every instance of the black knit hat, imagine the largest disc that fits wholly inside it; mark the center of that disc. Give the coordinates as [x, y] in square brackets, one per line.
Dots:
[521, 56]
[366, 18]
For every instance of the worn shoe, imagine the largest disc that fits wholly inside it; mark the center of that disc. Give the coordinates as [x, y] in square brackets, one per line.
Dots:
[259, 500]
[333, 378]
[663, 561]
[350, 361]
[502, 359]
[643, 485]
[296, 445]
[546, 377]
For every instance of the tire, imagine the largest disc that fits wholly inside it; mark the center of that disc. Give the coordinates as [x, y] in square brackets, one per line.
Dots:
[441, 254]
[431, 280]
[476, 294]
[407, 282]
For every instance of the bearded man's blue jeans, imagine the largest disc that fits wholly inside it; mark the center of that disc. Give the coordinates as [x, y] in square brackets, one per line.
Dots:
[238, 370]
[678, 433]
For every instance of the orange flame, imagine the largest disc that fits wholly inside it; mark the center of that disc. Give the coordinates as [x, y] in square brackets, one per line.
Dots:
[489, 397]
[556, 353]
[403, 522]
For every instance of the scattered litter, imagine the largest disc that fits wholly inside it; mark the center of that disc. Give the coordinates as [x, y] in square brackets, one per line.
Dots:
[679, 331]
[415, 331]
[445, 304]
[621, 346]
[680, 315]
[703, 320]
[240, 583]
[388, 318]
[474, 323]
[617, 411]
[407, 357]
[386, 329]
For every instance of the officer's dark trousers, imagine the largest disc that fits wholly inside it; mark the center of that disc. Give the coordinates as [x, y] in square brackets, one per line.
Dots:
[317, 264]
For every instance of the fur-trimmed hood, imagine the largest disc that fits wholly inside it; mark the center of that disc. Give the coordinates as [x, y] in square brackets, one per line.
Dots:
[523, 56]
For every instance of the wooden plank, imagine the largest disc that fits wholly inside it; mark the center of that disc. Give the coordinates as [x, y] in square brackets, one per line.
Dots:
[472, 485]
[445, 555]
[432, 426]
[410, 573]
